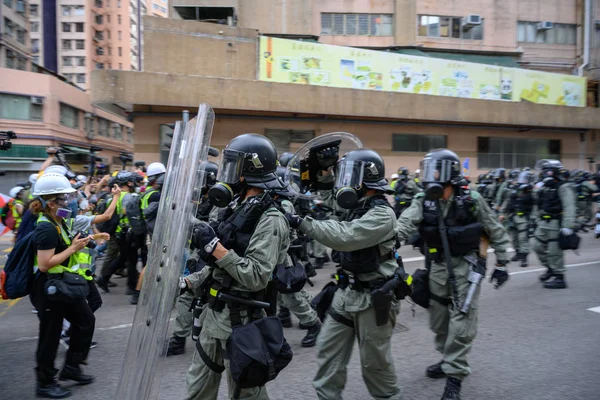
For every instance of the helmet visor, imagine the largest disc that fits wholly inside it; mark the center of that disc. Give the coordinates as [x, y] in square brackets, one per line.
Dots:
[349, 174]
[231, 167]
[439, 171]
[525, 178]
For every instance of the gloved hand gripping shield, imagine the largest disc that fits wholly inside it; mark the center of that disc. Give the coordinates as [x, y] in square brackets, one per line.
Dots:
[184, 179]
[318, 154]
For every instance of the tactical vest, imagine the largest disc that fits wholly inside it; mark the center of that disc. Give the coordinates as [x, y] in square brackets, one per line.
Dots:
[237, 228]
[146, 198]
[520, 202]
[18, 217]
[549, 201]
[368, 259]
[464, 231]
[399, 188]
[583, 193]
[123, 221]
[204, 209]
[79, 262]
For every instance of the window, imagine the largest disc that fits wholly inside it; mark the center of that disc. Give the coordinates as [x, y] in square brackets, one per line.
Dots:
[35, 27]
[81, 61]
[98, 3]
[66, 10]
[33, 10]
[13, 106]
[66, 44]
[10, 59]
[67, 61]
[117, 130]
[80, 78]
[102, 127]
[99, 66]
[417, 143]
[514, 153]
[21, 36]
[99, 35]
[119, 19]
[69, 116]
[357, 24]
[99, 19]
[120, 35]
[528, 32]
[80, 44]
[21, 63]
[165, 134]
[66, 27]
[120, 51]
[8, 3]
[35, 45]
[450, 27]
[99, 51]
[35, 59]
[79, 11]
[8, 27]
[118, 3]
[282, 138]
[79, 27]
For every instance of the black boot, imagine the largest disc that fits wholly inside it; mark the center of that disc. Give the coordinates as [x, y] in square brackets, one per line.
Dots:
[311, 336]
[558, 282]
[524, 262]
[134, 297]
[319, 263]
[130, 292]
[516, 257]
[303, 327]
[546, 275]
[176, 346]
[435, 371]
[452, 389]
[52, 391]
[310, 270]
[285, 317]
[74, 373]
[102, 284]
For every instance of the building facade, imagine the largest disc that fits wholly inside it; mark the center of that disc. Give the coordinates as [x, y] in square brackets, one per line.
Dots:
[401, 126]
[15, 50]
[46, 111]
[75, 37]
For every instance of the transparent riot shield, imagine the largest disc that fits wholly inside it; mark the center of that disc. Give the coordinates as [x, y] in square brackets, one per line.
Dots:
[300, 173]
[146, 350]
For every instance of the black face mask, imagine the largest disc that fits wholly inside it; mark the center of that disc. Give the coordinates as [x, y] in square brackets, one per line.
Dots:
[348, 198]
[434, 191]
[221, 194]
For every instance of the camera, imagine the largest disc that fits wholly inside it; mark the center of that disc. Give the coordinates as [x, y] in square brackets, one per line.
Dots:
[91, 244]
[5, 139]
[125, 157]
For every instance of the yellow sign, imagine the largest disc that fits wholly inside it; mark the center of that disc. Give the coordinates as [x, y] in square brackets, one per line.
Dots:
[290, 61]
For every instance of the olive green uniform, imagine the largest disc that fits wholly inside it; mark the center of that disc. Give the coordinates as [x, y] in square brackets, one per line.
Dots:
[517, 225]
[489, 193]
[584, 203]
[336, 340]
[548, 229]
[501, 195]
[251, 272]
[454, 331]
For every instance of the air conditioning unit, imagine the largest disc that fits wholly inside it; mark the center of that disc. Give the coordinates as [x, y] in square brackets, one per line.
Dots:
[471, 20]
[544, 26]
[37, 100]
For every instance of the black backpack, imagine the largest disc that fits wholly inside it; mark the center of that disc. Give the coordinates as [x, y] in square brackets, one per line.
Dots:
[133, 210]
[290, 279]
[257, 353]
[16, 279]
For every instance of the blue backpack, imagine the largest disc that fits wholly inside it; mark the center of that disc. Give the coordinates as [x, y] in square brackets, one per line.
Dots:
[16, 279]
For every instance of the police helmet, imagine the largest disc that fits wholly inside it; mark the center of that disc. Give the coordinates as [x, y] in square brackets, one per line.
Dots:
[284, 159]
[362, 166]
[253, 157]
[514, 174]
[212, 170]
[403, 172]
[550, 168]
[440, 166]
[124, 177]
[499, 173]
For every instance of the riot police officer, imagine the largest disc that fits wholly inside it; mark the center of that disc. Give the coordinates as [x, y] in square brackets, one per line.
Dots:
[516, 211]
[366, 241]
[585, 187]
[405, 190]
[242, 253]
[500, 188]
[556, 216]
[451, 222]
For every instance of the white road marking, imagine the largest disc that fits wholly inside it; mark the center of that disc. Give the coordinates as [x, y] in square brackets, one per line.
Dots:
[594, 309]
[544, 269]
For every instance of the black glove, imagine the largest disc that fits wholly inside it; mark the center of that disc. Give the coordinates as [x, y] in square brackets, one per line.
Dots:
[204, 238]
[294, 220]
[500, 275]
[328, 157]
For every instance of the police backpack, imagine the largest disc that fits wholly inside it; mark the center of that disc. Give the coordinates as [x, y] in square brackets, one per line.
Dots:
[16, 279]
[133, 210]
[289, 279]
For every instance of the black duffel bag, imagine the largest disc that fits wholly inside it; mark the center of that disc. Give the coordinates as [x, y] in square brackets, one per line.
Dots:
[290, 279]
[420, 288]
[66, 287]
[257, 353]
[323, 300]
[568, 242]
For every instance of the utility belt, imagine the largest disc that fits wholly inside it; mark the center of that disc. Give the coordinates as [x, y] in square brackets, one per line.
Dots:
[549, 217]
[522, 214]
[345, 280]
[437, 255]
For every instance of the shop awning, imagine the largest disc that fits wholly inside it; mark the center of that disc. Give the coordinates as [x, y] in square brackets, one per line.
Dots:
[75, 149]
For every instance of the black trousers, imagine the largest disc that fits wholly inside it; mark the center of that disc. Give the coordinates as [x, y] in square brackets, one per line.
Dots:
[51, 315]
[127, 258]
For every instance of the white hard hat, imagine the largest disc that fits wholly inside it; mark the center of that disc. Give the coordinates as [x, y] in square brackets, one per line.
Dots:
[418, 171]
[14, 192]
[155, 168]
[52, 183]
[33, 178]
[395, 176]
[82, 178]
[56, 169]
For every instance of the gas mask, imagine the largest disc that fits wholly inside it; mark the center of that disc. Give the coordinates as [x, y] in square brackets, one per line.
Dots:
[434, 191]
[221, 194]
[348, 184]
[63, 212]
[348, 197]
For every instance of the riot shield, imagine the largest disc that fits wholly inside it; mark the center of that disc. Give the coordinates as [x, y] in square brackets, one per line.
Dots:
[301, 170]
[146, 350]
